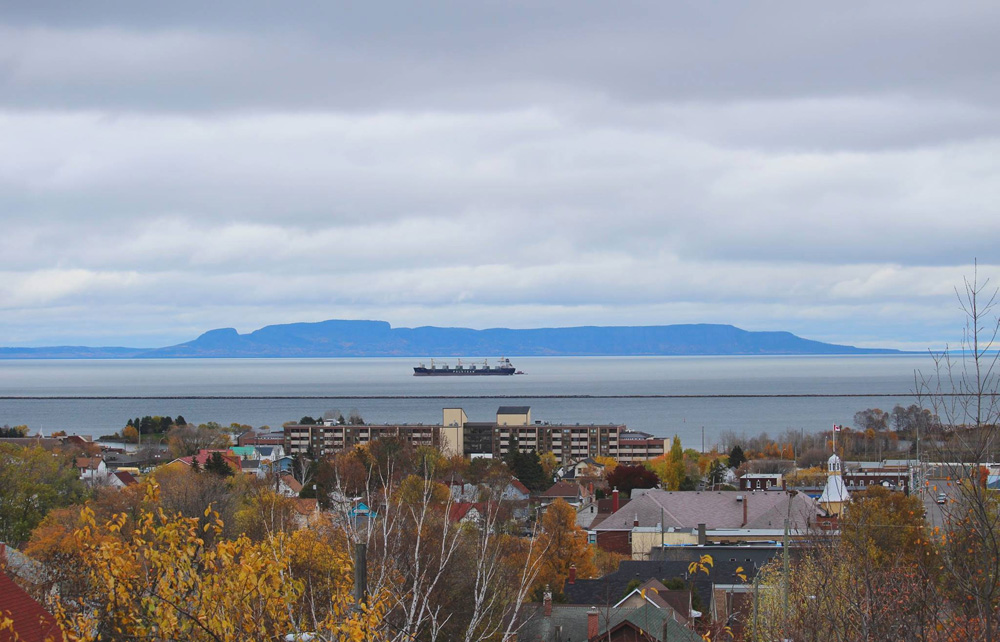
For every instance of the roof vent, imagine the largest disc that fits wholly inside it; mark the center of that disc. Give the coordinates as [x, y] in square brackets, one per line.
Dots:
[739, 498]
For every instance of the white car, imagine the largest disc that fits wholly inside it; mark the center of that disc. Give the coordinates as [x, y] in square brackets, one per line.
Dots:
[941, 498]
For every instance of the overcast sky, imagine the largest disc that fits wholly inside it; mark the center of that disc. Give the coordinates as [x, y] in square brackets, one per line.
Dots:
[168, 168]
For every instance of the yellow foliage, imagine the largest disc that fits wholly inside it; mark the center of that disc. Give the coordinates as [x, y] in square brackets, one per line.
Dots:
[165, 581]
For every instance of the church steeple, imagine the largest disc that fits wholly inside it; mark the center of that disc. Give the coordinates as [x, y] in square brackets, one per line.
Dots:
[835, 495]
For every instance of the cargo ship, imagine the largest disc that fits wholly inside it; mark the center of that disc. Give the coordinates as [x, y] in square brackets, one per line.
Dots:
[504, 368]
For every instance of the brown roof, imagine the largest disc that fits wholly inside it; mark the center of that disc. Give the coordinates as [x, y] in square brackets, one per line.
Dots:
[292, 483]
[306, 506]
[663, 597]
[90, 463]
[126, 478]
[562, 489]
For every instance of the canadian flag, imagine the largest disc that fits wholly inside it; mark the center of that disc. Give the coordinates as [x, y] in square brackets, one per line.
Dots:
[836, 427]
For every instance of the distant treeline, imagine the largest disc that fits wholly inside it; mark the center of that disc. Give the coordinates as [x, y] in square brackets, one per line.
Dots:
[148, 425]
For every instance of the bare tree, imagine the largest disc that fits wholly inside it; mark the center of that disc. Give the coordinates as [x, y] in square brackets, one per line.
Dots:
[963, 392]
[445, 580]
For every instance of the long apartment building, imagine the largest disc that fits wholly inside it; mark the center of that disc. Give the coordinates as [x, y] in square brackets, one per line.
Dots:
[512, 428]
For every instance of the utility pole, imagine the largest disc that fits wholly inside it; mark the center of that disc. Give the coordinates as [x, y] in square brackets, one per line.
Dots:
[360, 573]
[785, 574]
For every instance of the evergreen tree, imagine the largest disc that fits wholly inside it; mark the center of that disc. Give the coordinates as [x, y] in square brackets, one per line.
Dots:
[216, 464]
[736, 457]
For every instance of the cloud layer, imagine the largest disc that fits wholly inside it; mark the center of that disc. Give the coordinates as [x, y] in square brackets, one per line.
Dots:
[175, 168]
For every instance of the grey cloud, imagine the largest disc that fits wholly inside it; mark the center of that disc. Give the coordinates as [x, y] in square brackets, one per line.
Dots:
[174, 167]
[434, 56]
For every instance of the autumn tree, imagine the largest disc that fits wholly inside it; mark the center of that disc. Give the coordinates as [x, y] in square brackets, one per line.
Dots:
[609, 463]
[261, 512]
[185, 440]
[33, 481]
[549, 463]
[625, 478]
[565, 545]
[130, 434]
[166, 581]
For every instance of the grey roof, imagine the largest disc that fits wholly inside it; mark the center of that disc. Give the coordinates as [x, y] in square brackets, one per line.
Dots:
[750, 558]
[513, 410]
[265, 451]
[715, 509]
[634, 434]
[572, 622]
[608, 590]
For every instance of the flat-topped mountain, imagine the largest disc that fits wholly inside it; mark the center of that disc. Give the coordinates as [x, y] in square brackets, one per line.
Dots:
[338, 338]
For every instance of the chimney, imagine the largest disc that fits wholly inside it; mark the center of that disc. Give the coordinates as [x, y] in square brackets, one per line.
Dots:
[783, 484]
[593, 626]
[572, 574]
[635, 522]
[547, 601]
[744, 512]
[614, 500]
[702, 535]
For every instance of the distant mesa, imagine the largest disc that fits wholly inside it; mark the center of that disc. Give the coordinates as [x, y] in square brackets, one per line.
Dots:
[339, 338]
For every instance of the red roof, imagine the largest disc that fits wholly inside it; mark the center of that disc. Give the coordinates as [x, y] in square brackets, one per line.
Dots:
[126, 478]
[516, 483]
[32, 623]
[459, 510]
[204, 455]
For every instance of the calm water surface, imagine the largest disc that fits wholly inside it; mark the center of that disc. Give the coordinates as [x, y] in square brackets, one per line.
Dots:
[336, 379]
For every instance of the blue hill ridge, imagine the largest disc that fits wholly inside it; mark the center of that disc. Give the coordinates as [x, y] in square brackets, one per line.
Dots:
[345, 338]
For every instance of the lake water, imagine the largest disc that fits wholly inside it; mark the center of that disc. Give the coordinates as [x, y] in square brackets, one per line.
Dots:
[700, 386]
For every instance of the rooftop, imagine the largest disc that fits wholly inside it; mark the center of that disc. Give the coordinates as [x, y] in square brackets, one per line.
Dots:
[513, 410]
[715, 509]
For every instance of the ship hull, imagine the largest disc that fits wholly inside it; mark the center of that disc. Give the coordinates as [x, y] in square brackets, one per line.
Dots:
[463, 372]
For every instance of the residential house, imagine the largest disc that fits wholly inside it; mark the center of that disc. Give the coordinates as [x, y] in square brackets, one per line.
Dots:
[306, 512]
[515, 492]
[468, 512]
[608, 591]
[547, 622]
[122, 478]
[586, 468]
[594, 511]
[204, 455]
[569, 492]
[653, 592]
[288, 485]
[92, 469]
